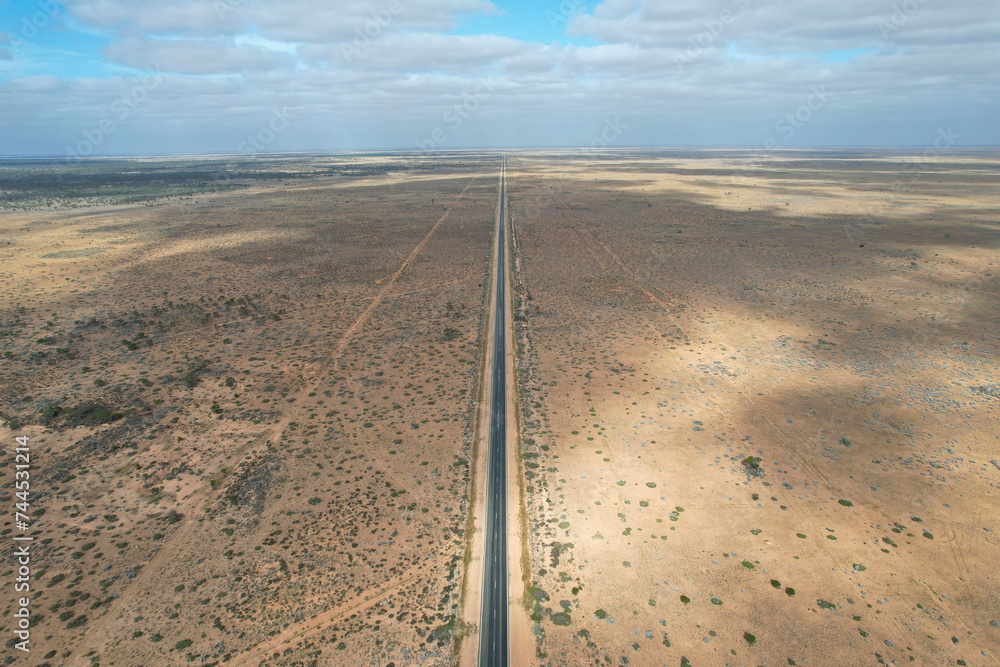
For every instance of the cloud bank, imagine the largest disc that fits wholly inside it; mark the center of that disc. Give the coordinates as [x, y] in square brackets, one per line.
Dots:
[372, 74]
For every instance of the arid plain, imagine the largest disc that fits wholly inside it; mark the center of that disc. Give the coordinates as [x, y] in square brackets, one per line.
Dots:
[759, 401]
[757, 405]
[250, 400]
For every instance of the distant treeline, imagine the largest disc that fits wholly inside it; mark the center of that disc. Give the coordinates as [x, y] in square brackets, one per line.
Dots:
[35, 182]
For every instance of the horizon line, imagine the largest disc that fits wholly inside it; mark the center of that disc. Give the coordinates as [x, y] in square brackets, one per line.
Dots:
[498, 149]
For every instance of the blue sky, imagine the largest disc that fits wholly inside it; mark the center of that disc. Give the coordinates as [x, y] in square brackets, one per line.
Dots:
[44, 41]
[533, 21]
[69, 48]
[209, 75]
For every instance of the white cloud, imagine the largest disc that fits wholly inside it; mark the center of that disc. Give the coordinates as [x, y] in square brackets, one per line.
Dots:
[186, 56]
[419, 52]
[784, 27]
[289, 21]
[675, 72]
[189, 17]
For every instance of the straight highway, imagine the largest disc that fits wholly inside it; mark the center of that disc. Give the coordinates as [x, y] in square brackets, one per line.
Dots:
[493, 627]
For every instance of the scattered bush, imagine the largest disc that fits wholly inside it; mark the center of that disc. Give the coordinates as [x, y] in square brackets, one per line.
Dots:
[751, 465]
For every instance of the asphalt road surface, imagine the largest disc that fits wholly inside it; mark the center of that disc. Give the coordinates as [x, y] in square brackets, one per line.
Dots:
[493, 633]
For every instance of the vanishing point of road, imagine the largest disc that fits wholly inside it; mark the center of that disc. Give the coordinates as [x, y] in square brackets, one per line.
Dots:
[493, 627]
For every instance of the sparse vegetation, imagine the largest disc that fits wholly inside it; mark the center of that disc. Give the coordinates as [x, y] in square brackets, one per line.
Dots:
[244, 414]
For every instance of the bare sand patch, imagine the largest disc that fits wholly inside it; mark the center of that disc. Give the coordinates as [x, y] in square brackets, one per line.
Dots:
[759, 429]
